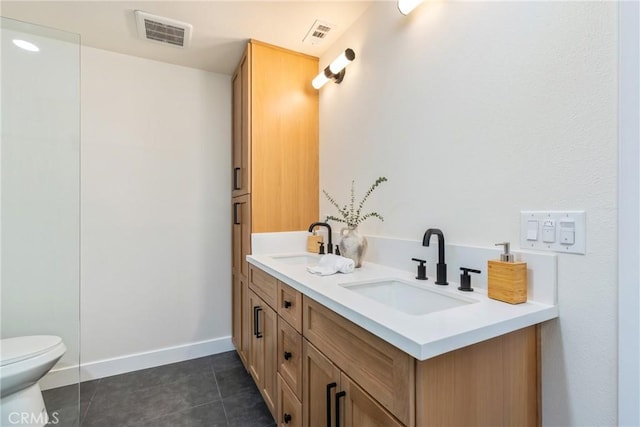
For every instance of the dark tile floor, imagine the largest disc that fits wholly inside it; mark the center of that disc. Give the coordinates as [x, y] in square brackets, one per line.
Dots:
[213, 391]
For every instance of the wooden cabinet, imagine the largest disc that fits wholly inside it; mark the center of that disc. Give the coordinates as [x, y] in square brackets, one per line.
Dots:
[320, 382]
[241, 238]
[241, 127]
[289, 407]
[330, 394]
[290, 356]
[274, 163]
[337, 374]
[275, 137]
[386, 372]
[263, 347]
[290, 306]
[492, 383]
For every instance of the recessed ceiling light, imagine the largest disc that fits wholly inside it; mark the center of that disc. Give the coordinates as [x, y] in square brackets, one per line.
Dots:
[23, 44]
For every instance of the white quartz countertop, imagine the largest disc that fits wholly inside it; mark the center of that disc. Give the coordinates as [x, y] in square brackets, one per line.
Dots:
[421, 336]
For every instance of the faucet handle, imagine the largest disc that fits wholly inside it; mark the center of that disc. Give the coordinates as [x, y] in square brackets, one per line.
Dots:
[465, 279]
[321, 251]
[422, 269]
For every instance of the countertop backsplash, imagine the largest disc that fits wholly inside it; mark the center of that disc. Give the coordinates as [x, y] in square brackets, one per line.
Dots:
[397, 253]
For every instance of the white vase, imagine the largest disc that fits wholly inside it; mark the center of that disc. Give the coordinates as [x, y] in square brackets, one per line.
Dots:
[352, 245]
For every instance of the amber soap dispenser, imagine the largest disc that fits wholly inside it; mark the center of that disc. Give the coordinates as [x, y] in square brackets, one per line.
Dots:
[507, 279]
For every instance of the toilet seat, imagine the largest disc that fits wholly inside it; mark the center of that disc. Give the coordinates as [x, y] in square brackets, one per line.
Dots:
[13, 350]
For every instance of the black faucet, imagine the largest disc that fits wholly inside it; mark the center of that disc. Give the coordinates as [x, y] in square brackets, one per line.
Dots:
[324, 224]
[441, 268]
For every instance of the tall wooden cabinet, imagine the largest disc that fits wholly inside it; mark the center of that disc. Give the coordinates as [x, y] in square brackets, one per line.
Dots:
[274, 167]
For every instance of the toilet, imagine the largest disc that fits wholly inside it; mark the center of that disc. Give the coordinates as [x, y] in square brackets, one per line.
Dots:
[23, 362]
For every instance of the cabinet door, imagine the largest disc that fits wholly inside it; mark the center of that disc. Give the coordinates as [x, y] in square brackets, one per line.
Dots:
[240, 178]
[356, 408]
[264, 345]
[320, 381]
[241, 317]
[241, 234]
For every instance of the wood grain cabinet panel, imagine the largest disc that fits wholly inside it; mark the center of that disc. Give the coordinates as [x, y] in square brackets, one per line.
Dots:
[264, 285]
[290, 356]
[290, 305]
[320, 382]
[358, 409]
[386, 372]
[492, 383]
[241, 246]
[241, 99]
[289, 407]
[262, 360]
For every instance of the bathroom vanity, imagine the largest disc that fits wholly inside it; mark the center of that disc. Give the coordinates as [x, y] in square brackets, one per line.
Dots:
[328, 351]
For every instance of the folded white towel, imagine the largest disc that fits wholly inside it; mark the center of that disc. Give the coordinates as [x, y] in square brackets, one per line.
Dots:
[332, 264]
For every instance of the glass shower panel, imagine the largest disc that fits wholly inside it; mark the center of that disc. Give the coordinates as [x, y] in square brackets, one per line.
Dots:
[40, 196]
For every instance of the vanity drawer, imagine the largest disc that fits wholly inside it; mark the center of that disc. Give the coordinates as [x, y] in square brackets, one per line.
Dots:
[289, 407]
[264, 285]
[290, 305]
[386, 372]
[290, 356]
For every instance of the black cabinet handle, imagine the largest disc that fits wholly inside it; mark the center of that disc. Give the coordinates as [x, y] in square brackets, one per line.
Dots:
[338, 396]
[286, 304]
[287, 355]
[286, 418]
[256, 323]
[236, 180]
[329, 387]
[236, 217]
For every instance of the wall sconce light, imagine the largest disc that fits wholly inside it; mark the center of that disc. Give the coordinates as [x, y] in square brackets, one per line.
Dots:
[335, 70]
[406, 6]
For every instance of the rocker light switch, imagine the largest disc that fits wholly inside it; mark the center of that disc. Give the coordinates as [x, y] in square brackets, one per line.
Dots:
[532, 230]
[567, 231]
[549, 231]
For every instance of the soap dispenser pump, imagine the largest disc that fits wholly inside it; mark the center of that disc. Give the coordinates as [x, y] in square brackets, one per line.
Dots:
[506, 278]
[505, 256]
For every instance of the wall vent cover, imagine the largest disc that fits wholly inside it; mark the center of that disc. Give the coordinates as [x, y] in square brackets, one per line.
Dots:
[163, 30]
[318, 32]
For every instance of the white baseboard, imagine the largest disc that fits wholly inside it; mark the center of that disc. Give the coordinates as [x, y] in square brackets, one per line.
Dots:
[134, 362]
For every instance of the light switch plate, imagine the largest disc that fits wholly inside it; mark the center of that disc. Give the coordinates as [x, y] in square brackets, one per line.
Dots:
[566, 224]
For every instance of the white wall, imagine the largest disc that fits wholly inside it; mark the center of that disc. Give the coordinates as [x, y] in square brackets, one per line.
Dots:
[40, 187]
[155, 212]
[474, 111]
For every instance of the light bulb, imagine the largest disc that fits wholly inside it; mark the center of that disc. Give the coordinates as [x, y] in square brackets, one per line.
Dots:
[23, 44]
[406, 6]
[342, 61]
[319, 80]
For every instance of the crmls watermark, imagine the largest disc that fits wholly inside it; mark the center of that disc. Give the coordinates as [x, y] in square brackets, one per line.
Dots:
[29, 418]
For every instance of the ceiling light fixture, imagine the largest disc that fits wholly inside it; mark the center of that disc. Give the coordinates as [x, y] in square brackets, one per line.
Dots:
[406, 6]
[335, 70]
[23, 44]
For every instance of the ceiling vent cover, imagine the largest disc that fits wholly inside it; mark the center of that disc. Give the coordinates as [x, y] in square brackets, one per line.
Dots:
[163, 30]
[318, 32]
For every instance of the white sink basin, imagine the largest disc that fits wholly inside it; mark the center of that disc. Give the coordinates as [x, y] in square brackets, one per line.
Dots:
[298, 259]
[407, 297]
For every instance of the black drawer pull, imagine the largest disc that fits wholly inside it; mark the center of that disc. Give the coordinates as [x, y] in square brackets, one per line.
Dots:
[338, 396]
[256, 322]
[286, 418]
[236, 180]
[287, 355]
[329, 387]
[286, 304]
[236, 217]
